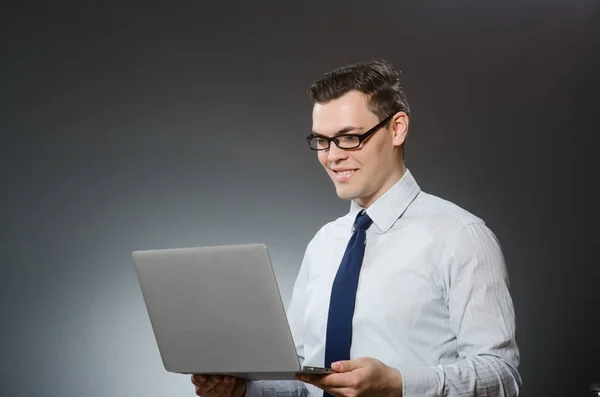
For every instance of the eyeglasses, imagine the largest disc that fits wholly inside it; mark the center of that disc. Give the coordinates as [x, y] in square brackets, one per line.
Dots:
[345, 141]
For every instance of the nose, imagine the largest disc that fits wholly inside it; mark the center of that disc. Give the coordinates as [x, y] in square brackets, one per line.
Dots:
[335, 153]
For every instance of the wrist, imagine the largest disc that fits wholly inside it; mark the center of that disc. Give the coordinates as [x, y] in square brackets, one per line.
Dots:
[395, 383]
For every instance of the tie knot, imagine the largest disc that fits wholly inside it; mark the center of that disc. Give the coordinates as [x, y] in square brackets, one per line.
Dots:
[363, 221]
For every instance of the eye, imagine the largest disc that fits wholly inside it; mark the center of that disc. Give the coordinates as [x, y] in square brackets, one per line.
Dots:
[321, 142]
[348, 141]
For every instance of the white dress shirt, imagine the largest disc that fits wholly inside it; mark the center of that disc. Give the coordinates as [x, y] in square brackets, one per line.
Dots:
[432, 299]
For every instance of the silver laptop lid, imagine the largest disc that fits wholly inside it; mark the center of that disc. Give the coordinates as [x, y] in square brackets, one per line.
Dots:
[216, 310]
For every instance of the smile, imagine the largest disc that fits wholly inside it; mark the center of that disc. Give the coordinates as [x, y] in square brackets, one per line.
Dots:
[343, 176]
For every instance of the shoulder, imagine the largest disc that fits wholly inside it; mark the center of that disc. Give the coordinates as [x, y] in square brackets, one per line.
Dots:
[448, 224]
[438, 210]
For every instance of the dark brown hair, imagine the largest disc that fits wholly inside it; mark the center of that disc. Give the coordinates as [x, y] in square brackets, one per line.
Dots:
[377, 79]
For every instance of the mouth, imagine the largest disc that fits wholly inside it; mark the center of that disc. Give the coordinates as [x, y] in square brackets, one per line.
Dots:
[343, 175]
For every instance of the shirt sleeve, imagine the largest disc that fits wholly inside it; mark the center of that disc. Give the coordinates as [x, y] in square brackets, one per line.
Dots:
[288, 388]
[482, 318]
[295, 314]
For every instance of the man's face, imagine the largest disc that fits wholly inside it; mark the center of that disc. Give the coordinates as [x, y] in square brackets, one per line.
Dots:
[364, 173]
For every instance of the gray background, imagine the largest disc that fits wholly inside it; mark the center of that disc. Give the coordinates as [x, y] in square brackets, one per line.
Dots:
[143, 126]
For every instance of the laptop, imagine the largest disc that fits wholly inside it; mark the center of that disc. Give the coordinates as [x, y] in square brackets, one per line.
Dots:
[218, 310]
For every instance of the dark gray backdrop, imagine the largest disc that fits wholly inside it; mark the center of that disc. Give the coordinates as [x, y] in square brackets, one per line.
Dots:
[130, 127]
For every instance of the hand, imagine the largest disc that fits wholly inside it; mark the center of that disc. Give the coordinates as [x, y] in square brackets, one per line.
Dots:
[219, 386]
[360, 377]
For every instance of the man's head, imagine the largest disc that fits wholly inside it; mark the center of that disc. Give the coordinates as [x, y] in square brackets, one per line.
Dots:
[351, 101]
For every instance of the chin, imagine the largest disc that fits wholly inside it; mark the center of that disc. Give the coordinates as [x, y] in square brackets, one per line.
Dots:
[344, 193]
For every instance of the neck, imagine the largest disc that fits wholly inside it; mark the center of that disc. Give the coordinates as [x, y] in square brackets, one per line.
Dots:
[399, 172]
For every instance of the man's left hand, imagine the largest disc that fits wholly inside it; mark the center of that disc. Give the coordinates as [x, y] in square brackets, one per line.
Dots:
[364, 376]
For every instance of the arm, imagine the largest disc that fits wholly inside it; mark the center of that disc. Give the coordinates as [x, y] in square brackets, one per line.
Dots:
[295, 314]
[482, 316]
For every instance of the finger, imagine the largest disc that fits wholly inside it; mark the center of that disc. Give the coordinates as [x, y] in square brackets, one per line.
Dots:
[225, 385]
[203, 390]
[211, 383]
[213, 387]
[341, 380]
[198, 379]
[334, 391]
[314, 378]
[333, 380]
[230, 386]
[308, 378]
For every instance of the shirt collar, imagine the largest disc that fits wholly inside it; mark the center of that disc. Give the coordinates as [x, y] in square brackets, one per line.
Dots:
[391, 205]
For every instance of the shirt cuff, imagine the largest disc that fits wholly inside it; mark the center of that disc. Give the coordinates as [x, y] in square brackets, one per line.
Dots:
[421, 382]
[253, 389]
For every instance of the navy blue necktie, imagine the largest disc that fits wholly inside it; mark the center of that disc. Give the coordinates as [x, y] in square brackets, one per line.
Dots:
[343, 295]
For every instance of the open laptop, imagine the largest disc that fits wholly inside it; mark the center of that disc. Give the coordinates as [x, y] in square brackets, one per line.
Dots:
[218, 310]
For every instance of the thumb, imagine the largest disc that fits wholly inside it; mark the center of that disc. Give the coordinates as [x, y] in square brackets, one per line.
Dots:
[345, 365]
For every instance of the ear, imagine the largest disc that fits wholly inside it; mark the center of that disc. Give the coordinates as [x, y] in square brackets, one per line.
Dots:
[400, 128]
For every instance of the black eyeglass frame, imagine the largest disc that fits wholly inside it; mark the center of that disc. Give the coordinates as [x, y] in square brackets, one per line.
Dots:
[361, 137]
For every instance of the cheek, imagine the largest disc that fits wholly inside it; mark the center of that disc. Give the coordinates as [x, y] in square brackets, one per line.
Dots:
[322, 157]
[372, 156]
[364, 159]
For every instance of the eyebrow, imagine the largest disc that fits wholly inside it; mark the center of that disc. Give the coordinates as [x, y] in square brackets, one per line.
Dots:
[343, 131]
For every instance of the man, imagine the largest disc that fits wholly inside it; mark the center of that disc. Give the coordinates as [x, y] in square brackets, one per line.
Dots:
[406, 295]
